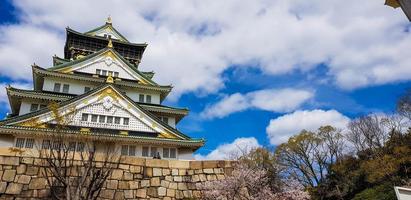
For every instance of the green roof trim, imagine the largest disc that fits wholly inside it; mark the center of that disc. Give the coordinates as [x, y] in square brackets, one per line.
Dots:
[58, 61]
[131, 66]
[107, 26]
[79, 97]
[144, 45]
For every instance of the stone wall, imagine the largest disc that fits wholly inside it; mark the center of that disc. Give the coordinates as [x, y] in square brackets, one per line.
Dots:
[135, 178]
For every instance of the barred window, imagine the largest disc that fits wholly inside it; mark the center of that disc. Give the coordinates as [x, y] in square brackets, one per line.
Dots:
[153, 152]
[66, 88]
[148, 99]
[117, 120]
[102, 119]
[20, 142]
[141, 98]
[94, 118]
[46, 144]
[173, 153]
[109, 119]
[145, 152]
[84, 117]
[34, 107]
[57, 87]
[132, 150]
[29, 143]
[124, 150]
[125, 121]
[166, 152]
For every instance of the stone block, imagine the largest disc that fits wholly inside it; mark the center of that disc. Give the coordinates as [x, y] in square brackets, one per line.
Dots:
[180, 164]
[8, 175]
[43, 193]
[21, 169]
[141, 193]
[196, 165]
[119, 195]
[198, 171]
[129, 194]
[148, 172]
[123, 185]
[178, 178]
[135, 169]
[3, 186]
[172, 186]
[220, 177]
[157, 163]
[108, 194]
[181, 186]
[157, 172]
[208, 171]
[169, 178]
[152, 192]
[24, 179]
[182, 172]
[123, 166]
[179, 194]
[171, 193]
[37, 183]
[128, 176]
[14, 188]
[195, 178]
[112, 184]
[211, 177]
[174, 172]
[166, 172]
[133, 184]
[197, 194]
[145, 183]
[117, 174]
[162, 191]
[26, 160]
[187, 194]
[190, 172]
[210, 164]
[155, 181]
[164, 183]
[202, 177]
[6, 160]
[32, 170]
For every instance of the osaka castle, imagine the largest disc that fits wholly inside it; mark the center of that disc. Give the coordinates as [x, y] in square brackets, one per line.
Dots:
[99, 86]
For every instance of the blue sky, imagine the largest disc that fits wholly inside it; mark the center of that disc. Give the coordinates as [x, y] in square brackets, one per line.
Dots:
[252, 74]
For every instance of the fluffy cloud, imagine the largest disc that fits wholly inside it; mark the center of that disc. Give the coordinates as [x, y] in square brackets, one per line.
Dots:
[191, 43]
[232, 150]
[277, 100]
[283, 127]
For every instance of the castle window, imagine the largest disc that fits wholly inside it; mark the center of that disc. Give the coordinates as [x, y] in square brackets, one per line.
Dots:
[94, 118]
[141, 98]
[115, 74]
[86, 89]
[125, 121]
[57, 87]
[34, 107]
[153, 152]
[110, 73]
[173, 153]
[145, 152]
[20, 142]
[169, 153]
[66, 88]
[148, 99]
[46, 144]
[109, 119]
[128, 150]
[29, 143]
[102, 119]
[98, 71]
[117, 120]
[164, 119]
[84, 117]
[104, 72]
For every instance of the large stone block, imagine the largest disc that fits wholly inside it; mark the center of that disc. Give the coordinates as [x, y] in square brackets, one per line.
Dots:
[32, 170]
[133, 184]
[6, 160]
[148, 172]
[152, 192]
[210, 164]
[172, 186]
[135, 169]
[128, 176]
[141, 193]
[171, 192]
[155, 181]
[129, 194]
[196, 165]
[145, 183]
[3, 186]
[117, 174]
[157, 172]
[108, 194]
[24, 179]
[119, 195]
[21, 169]
[180, 164]
[208, 171]
[8, 175]
[178, 178]
[123, 185]
[166, 172]
[27, 160]
[112, 184]
[14, 188]
[174, 172]
[157, 163]
[182, 186]
[37, 183]
[162, 191]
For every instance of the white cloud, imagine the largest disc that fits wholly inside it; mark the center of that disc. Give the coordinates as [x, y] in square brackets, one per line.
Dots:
[232, 150]
[283, 127]
[276, 100]
[192, 42]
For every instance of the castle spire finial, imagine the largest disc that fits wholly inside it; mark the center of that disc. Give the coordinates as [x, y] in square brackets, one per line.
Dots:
[110, 43]
[109, 20]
